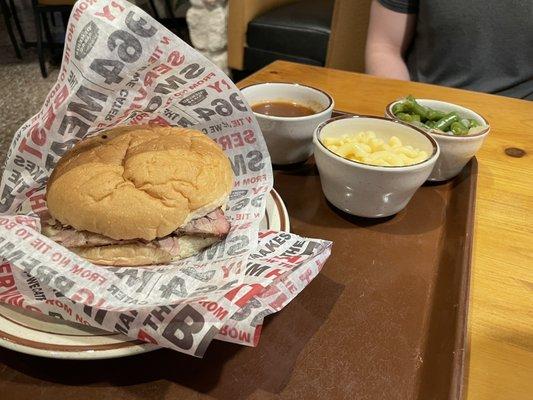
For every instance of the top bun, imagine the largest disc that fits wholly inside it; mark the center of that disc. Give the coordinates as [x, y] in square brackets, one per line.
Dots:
[139, 182]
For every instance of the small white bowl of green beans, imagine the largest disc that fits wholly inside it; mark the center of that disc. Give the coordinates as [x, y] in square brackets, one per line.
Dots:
[459, 131]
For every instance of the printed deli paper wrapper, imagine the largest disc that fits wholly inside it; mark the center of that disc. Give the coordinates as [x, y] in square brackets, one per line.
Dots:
[121, 67]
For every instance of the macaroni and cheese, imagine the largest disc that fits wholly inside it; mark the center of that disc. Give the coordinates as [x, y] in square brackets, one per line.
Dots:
[366, 148]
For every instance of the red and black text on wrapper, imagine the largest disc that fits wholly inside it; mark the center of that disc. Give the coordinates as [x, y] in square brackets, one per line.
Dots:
[120, 67]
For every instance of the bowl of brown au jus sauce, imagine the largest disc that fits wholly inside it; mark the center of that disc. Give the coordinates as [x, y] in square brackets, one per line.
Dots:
[287, 114]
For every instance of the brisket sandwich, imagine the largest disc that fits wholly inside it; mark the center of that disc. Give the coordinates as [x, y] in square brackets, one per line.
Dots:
[139, 195]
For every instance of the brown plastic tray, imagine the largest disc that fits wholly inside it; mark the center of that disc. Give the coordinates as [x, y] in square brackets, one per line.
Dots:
[385, 319]
[398, 327]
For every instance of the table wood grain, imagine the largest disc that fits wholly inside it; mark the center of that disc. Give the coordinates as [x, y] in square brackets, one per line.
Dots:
[500, 329]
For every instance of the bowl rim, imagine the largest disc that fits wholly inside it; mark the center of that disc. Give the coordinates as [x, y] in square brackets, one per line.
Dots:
[389, 113]
[431, 159]
[302, 118]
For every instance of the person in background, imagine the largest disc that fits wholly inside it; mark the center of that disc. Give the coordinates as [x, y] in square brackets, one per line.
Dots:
[479, 45]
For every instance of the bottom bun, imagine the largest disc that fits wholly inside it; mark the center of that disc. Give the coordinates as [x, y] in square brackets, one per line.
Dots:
[139, 254]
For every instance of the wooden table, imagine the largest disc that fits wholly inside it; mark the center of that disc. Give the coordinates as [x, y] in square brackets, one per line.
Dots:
[501, 309]
[317, 346]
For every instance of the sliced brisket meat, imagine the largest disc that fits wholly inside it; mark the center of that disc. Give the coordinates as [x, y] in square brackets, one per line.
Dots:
[213, 224]
[69, 237]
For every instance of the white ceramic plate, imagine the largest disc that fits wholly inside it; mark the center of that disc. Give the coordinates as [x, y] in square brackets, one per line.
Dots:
[48, 337]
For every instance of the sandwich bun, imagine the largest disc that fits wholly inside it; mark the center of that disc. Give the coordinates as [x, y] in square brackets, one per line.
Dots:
[138, 182]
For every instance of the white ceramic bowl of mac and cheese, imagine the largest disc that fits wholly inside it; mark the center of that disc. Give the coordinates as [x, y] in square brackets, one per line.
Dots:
[366, 190]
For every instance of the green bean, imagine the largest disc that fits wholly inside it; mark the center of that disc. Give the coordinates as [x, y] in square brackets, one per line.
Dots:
[408, 105]
[415, 117]
[410, 97]
[409, 110]
[459, 129]
[408, 117]
[473, 123]
[435, 115]
[412, 105]
[444, 123]
[421, 125]
[404, 117]
[398, 107]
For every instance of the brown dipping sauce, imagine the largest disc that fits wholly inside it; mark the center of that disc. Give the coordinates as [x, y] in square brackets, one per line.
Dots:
[282, 109]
